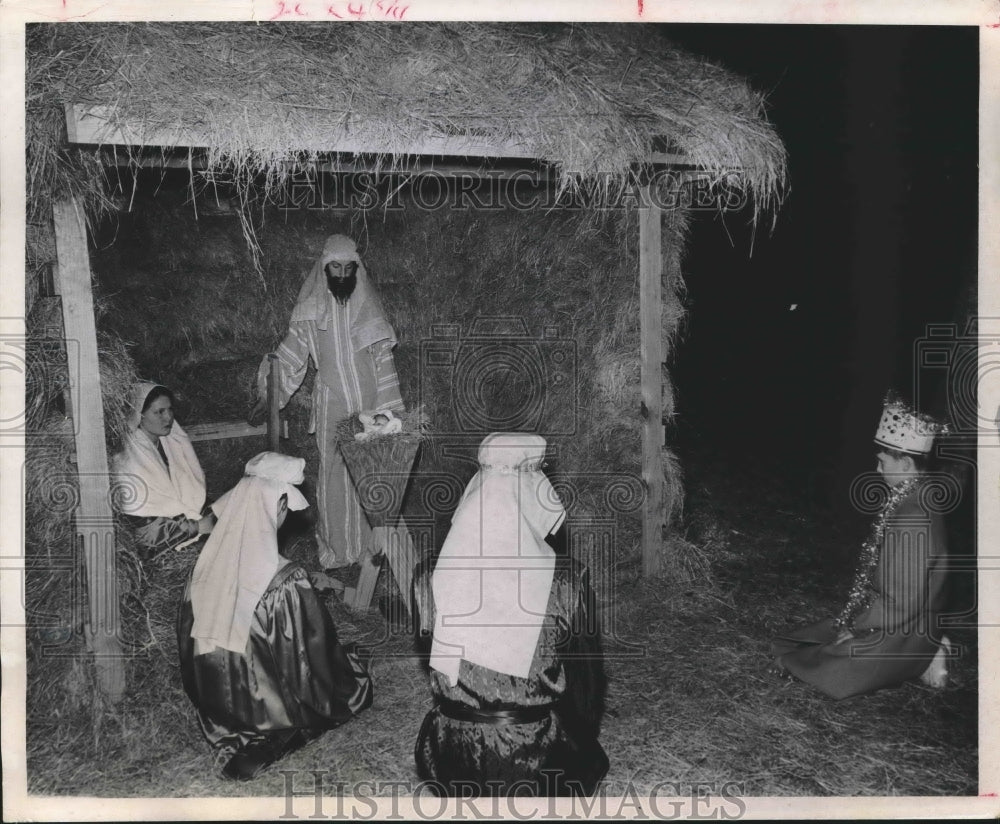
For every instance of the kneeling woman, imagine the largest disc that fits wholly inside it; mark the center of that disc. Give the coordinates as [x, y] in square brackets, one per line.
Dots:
[160, 481]
[516, 666]
[259, 652]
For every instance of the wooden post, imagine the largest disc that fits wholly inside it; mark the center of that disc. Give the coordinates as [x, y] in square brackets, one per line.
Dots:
[94, 523]
[397, 544]
[651, 378]
[273, 407]
[361, 598]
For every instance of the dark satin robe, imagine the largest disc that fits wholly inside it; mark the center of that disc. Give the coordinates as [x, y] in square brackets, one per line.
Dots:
[567, 667]
[294, 673]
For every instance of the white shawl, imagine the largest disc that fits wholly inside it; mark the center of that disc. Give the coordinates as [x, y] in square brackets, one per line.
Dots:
[492, 580]
[241, 555]
[144, 486]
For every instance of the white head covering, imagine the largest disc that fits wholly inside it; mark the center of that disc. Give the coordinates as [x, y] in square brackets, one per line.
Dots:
[368, 321]
[241, 555]
[146, 487]
[492, 580]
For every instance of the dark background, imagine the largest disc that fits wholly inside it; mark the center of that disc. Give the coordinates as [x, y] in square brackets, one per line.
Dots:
[876, 239]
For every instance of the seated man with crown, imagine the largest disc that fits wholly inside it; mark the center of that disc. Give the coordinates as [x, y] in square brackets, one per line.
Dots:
[887, 632]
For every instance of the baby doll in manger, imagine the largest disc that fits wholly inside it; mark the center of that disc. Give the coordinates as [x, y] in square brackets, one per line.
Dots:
[378, 423]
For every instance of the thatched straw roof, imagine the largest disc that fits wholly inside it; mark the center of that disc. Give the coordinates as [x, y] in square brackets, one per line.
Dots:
[592, 100]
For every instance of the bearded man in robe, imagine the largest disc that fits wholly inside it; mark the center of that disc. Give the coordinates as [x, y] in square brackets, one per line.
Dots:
[339, 323]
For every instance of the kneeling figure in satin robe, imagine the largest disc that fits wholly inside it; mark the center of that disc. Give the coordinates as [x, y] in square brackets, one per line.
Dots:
[516, 665]
[259, 652]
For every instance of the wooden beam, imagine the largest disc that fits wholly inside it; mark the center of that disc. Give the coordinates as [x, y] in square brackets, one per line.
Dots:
[397, 545]
[651, 379]
[273, 405]
[228, 429]
[361, 597]
[94, 523]
[96, 124]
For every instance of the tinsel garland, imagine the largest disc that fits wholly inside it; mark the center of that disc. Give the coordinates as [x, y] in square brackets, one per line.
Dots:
[860, 595]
